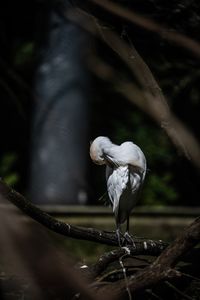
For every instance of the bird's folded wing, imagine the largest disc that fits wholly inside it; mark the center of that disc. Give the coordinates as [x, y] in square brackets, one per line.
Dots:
[135, 182]
[117, 181]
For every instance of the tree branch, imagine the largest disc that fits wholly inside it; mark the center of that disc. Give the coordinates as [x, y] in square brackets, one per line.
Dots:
[108, 258]
[143, 246]
[162, 268]
[143, 22]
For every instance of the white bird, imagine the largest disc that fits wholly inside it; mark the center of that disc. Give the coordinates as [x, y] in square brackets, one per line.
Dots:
[125, 173]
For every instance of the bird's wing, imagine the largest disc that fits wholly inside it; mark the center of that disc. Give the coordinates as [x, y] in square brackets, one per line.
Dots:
[135, 181]
[117, 180]
[131, 154]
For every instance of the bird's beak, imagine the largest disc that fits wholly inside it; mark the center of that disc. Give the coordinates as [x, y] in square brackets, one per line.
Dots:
[110, 161]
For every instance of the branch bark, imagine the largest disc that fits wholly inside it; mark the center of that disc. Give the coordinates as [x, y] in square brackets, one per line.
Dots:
[163, 267]
[143, 246]
[106, 259]
[149, 25]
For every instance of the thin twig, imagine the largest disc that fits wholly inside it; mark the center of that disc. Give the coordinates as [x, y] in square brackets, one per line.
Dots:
[183, 295]
[190, 276]
[150, 292]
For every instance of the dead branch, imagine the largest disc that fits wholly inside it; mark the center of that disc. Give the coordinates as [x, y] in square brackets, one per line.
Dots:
[143, 246]
[143, 22]
[163, 267]
[106, 259]
[180, 293]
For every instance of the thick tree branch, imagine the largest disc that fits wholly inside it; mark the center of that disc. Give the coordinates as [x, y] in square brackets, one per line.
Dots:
[162, 267]
[106, 259]
[143, 22]
[143, 246]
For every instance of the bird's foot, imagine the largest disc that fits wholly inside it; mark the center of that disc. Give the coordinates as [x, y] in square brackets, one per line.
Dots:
[120, 238]
[129, 239]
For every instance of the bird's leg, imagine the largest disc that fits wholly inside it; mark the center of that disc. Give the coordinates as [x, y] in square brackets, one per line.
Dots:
[119, 235]
[127, 235]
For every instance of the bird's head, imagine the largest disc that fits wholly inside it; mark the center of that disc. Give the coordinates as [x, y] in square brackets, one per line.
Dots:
[97, 149]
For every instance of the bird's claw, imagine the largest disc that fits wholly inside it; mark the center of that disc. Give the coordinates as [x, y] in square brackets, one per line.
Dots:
[124, 239]
[129, 239]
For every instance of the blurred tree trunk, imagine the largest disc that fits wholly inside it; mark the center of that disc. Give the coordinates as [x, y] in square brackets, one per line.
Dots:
[60, 120]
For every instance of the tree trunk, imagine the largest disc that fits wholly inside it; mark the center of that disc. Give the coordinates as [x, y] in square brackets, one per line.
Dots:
[60, 120]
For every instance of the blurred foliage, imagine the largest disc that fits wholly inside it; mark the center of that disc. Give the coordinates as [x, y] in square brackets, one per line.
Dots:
[159, 191]
[24, 54]
[82, 251]
[158, 188]
[7, 172]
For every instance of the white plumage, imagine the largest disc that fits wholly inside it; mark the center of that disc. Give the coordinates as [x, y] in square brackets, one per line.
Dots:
[125, 173]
